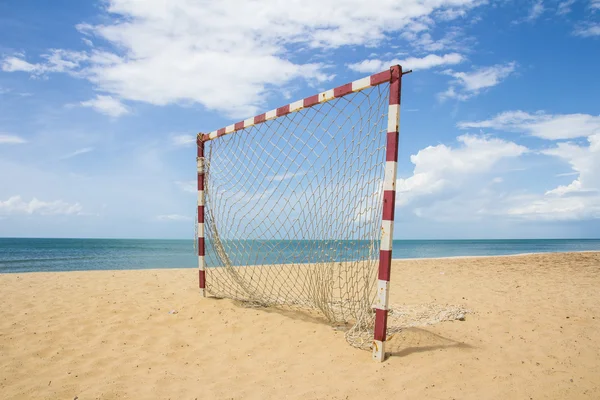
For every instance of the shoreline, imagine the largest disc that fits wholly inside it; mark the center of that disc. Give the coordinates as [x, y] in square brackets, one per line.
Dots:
[449, 258]
[496, 255]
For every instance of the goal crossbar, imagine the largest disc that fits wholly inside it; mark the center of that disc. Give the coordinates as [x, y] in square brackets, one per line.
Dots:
[323, 97]
[393, 77]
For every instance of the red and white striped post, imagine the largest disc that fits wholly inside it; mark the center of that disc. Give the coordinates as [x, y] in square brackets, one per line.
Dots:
[201, 250]
[387, 224]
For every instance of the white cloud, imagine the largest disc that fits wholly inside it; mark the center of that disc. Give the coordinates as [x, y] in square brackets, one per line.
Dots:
[429, 61]
[589, 29]
[442, 168]
[537, 9]
[564, 7]
[540, 124]
[183, 140]
[108, 105]
[583, 159]
[449, 15]
[5, 138]
[452, 93]
[77, 152]
[450, 184]
[469, 84]
[556, 209]
[57, 60]
[578, 200]
[188, 186]
[16, 205]
[595, 4]
[568, 174]
[173, 217]
[227, 55]
[286, 176]
[453, 40]
[573, 187]
[13, 64]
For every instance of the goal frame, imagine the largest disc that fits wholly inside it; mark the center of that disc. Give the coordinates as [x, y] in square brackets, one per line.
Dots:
[394, 77]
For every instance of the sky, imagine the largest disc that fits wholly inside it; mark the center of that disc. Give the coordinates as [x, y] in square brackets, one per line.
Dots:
[100, 102]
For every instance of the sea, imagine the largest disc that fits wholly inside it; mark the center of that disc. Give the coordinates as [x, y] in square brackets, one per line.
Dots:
[18, 255]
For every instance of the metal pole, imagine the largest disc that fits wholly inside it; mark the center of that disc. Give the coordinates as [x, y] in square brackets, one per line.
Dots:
[201, 248]
[387, 223]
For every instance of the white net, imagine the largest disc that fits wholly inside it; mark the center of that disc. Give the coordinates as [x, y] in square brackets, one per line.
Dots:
[293, 211]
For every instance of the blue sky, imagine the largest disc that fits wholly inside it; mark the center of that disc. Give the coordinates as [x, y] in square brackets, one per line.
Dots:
[100, 101]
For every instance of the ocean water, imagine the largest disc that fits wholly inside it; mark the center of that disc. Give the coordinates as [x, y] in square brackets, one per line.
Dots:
[32, 255]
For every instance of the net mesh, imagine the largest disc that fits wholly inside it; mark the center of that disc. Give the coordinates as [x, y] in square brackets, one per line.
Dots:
[293, 211]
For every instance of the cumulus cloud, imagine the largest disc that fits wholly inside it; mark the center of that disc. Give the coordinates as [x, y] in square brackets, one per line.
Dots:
[469, 84]
[439, 169]
[107, 105]
[470, 181]
[5, 138]
[462, 183]
[215, 55]
[577, 200]
[540, 124]
[585, 160]
[16, 205]
[429, 61]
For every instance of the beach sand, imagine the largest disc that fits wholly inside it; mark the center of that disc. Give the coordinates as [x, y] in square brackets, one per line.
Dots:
[534, 334]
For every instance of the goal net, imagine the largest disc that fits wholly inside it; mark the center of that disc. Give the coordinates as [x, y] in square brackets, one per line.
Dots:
[291, 205]
[293, 209]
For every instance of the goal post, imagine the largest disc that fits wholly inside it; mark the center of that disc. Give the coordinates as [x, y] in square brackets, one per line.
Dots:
[387, 220]
[296, 206]
[200, 218]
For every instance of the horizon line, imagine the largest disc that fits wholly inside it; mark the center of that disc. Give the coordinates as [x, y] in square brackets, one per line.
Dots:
[192, 239]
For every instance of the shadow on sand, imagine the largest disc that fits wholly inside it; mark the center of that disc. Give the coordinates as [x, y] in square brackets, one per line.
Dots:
[417, 340]
[400, 344]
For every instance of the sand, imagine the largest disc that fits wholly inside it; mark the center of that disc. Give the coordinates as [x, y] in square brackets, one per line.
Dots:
[534, 334]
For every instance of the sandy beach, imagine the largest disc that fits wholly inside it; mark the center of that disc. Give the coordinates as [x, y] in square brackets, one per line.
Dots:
[534, 334]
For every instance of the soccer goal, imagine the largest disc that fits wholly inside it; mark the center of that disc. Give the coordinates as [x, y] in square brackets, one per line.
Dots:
[296, 206]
